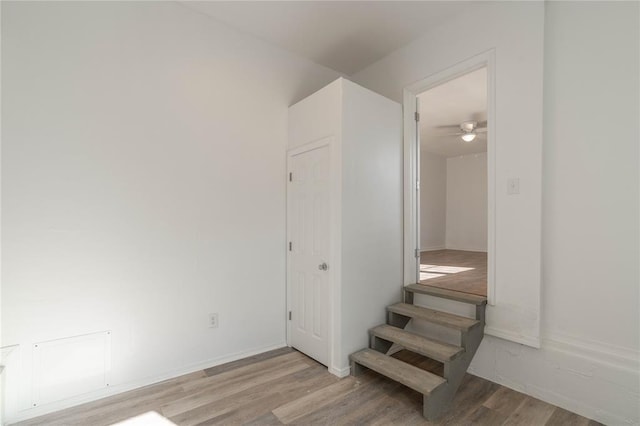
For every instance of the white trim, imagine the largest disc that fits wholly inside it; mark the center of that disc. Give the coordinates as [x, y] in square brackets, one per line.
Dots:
[513, 337]
[491, 177]
[6, 351]
[410, 210]
[334, 136]
[483, 249]
[38, 368]
[335, 245]
[309, 146]
[114, 390]
[616, 356]
[340, 372]
[434, 248]
[484, 59]
[417, 161]
[333, 311]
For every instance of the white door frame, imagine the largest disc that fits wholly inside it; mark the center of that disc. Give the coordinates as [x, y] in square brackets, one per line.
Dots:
[411, 158]
[334, 252]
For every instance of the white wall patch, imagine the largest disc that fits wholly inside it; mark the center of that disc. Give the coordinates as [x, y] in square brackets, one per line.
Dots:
[71, 366]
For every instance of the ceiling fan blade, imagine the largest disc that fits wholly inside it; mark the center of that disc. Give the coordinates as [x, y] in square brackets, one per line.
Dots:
[481, 130]
[448, 126]
[481, 124]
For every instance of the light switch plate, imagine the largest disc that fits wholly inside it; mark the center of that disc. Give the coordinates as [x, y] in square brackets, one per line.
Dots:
[513, 186]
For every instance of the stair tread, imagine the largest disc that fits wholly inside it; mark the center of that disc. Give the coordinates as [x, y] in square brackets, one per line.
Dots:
[447, 294]
[436, 317]
[417, 379]
[433, 349]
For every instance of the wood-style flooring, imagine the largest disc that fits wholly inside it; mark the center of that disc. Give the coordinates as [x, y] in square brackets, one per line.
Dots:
[433, 271]
[286, 387]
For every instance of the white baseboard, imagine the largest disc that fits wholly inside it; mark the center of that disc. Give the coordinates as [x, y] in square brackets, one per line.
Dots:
[434, 248]
[597, 351]
[464, 248]
[340, 372]
[114, 390]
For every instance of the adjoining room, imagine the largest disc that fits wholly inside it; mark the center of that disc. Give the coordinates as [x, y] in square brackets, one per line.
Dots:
[453, 184]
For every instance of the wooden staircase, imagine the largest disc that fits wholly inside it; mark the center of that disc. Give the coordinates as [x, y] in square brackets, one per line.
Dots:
[438, 392]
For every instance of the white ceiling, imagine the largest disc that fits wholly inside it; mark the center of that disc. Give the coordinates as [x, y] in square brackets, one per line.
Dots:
[458, 100]
[345, 36]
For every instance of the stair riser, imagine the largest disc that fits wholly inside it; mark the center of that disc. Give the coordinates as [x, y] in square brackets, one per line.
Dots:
[357, 369]
[446, 294]
[480, 314]
[397, 320]
[480, 309]
[434, 316]
[379, 345]
[408, 297]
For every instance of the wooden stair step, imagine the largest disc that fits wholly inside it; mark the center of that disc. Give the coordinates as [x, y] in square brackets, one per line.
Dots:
[417, 379]
[433, 349]
[447, 294]
[436, 317]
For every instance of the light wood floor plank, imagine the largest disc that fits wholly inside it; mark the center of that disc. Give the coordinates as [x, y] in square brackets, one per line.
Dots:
[531, 412]
[288, 387]
[247, 361]
[221, 390]
[257, 400]
[397, 413]
[350, 404]
[561, 417]
[505, 401]
[300, 407]
[268, 419]
[472, 393]
[473, 281]
[486, 416]
[76, 415]
[245, 372]
[370, 410]
[263, 406]
[139, 406]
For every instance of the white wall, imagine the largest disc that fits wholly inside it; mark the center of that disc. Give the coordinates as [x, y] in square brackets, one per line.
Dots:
[466, 205]
[515, 314]
[143, 173]
[588, 361]
[365, 265]
[591, 230]
[433, 201]
[372, 213]
[453, 202]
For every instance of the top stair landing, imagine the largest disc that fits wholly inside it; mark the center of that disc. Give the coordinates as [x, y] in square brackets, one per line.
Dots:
[458, 296]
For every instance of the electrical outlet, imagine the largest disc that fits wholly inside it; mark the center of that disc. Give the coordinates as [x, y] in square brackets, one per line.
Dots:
[213, 320]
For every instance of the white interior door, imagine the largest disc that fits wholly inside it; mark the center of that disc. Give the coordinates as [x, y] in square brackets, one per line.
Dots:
[308, 276]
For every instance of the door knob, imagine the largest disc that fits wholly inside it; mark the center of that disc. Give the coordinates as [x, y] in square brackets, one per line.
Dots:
[323, 266]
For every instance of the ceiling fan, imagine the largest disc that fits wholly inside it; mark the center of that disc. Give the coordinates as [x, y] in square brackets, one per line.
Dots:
[468, 129]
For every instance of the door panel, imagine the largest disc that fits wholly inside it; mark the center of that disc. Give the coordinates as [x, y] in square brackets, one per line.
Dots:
[308, 198]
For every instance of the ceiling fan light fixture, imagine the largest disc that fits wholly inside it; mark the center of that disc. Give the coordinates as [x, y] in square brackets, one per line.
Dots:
[468, 137]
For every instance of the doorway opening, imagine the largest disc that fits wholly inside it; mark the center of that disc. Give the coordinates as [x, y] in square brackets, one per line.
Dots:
[452, 166]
